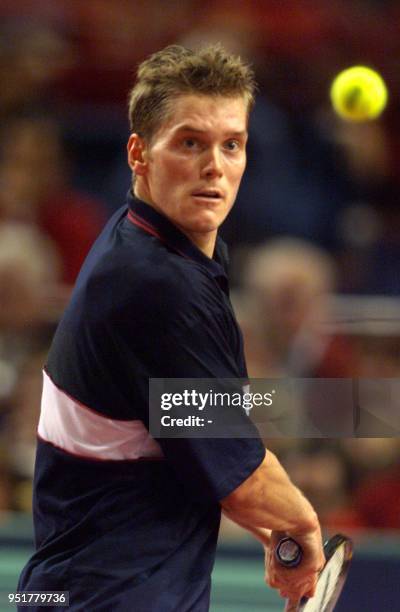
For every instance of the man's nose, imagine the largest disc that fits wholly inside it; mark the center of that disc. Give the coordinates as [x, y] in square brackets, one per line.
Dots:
[212, 166]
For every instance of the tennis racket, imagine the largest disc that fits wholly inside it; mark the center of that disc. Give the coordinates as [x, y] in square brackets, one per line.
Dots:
[338, 552]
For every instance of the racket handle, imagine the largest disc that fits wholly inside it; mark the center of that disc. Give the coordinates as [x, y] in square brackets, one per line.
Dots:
[288, 552]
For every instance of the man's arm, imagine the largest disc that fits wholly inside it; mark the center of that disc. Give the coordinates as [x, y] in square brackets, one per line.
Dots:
[268, 500]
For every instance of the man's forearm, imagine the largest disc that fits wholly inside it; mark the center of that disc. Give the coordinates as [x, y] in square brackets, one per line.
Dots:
[269, 500]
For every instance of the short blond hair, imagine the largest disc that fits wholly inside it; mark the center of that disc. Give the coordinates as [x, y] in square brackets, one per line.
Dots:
[176, 71]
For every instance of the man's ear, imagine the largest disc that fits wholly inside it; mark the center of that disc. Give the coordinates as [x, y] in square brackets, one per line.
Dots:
[137, 155]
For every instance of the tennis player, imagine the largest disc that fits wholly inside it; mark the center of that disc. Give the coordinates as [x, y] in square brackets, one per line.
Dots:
[123, 521]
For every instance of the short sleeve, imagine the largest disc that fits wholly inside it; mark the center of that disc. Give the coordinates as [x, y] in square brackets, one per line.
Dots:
[209, 468]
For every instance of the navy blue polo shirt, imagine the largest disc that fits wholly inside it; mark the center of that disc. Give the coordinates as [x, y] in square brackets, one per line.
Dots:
[123, 521]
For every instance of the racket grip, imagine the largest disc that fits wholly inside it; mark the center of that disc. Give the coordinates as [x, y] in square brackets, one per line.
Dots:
[288, 552]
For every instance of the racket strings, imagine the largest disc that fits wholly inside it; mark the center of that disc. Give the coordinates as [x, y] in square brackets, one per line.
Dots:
[328, 583]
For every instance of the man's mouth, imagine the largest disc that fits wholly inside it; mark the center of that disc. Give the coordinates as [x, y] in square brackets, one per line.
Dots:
[209, 194]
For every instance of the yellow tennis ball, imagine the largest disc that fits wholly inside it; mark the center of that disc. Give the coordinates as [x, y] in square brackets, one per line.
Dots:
[359, 94]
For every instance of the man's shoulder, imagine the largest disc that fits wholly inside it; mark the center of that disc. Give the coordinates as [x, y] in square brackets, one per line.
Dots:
[148, 278]
[129, 273]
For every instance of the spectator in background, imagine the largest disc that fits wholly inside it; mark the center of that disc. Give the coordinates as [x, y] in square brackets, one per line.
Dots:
[287, 334]
[33, 57]
[288, 283]
[29, 266]
[34, 189]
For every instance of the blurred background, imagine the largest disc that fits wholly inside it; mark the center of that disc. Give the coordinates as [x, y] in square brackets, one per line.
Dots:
[314, 237]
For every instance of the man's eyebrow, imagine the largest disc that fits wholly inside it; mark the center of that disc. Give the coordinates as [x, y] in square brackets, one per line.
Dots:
[190, 128]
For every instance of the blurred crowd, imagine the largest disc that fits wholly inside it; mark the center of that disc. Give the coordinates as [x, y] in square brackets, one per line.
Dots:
[316, 216]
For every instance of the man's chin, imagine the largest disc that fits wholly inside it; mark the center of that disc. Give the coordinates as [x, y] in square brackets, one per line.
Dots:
[209, 222]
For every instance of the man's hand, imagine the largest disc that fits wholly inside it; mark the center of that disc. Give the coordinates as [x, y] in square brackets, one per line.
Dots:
[294, 583]
[268, 500]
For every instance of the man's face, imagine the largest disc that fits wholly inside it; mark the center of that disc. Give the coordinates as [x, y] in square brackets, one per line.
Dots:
[192, 170]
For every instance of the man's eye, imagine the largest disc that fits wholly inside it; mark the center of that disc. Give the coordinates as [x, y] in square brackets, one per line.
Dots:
[189, 143]
[232, 145]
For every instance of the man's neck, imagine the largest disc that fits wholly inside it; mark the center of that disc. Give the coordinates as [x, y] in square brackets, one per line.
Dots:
[204, 242]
